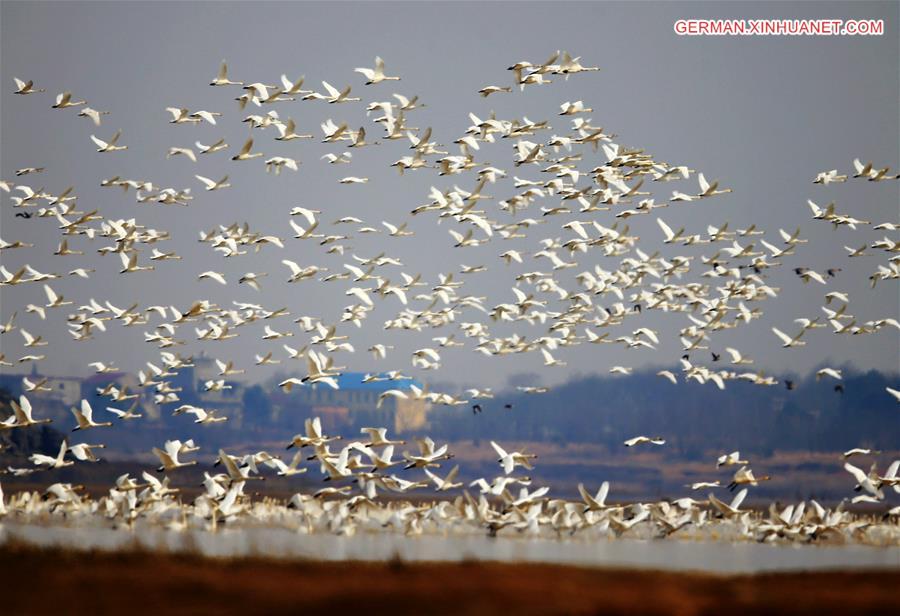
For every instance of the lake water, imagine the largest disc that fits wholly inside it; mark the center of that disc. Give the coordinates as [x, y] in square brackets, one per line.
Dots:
[671, 554]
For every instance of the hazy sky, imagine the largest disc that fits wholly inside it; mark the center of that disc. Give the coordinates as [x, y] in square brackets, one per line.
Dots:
[761, 114]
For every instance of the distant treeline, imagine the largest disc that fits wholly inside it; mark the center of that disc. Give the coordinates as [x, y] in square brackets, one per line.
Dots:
[693, 418]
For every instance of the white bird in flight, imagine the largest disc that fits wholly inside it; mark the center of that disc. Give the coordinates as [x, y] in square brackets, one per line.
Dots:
[377, 75]
[109, 146]
[638, 440]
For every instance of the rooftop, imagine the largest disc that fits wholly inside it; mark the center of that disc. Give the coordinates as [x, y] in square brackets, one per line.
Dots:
[354, 381]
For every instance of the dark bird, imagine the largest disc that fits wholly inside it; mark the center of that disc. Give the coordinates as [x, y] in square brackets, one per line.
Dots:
[27, 170]
[715, 356]
[833, 271]
[839, 388]
[637, 307]
[507, 406]
[789, 384]
[23, 214]
[476, 408]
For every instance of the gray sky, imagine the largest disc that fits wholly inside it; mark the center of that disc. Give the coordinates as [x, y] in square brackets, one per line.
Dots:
[761, 114]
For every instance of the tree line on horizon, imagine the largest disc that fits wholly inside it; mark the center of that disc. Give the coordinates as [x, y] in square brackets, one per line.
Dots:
[693, 418]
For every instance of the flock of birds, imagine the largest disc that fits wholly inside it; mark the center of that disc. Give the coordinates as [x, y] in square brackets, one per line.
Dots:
[496, 506]
[596, 306]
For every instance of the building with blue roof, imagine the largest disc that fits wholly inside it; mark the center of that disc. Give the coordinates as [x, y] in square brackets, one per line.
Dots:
[355, 395]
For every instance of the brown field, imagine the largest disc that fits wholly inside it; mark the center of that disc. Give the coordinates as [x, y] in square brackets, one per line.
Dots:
[43, 581]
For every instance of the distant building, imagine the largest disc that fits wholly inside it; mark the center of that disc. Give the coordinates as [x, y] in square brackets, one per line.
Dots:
[64, 393]
[333, 417]
[354, 403]
[64, 389]
[338, 406]
[104, 385]
[190, 381]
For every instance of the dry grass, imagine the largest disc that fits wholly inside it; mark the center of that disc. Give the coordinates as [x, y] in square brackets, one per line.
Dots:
[52, 581]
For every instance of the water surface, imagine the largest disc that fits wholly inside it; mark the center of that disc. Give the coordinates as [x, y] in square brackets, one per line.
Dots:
[671, 554]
